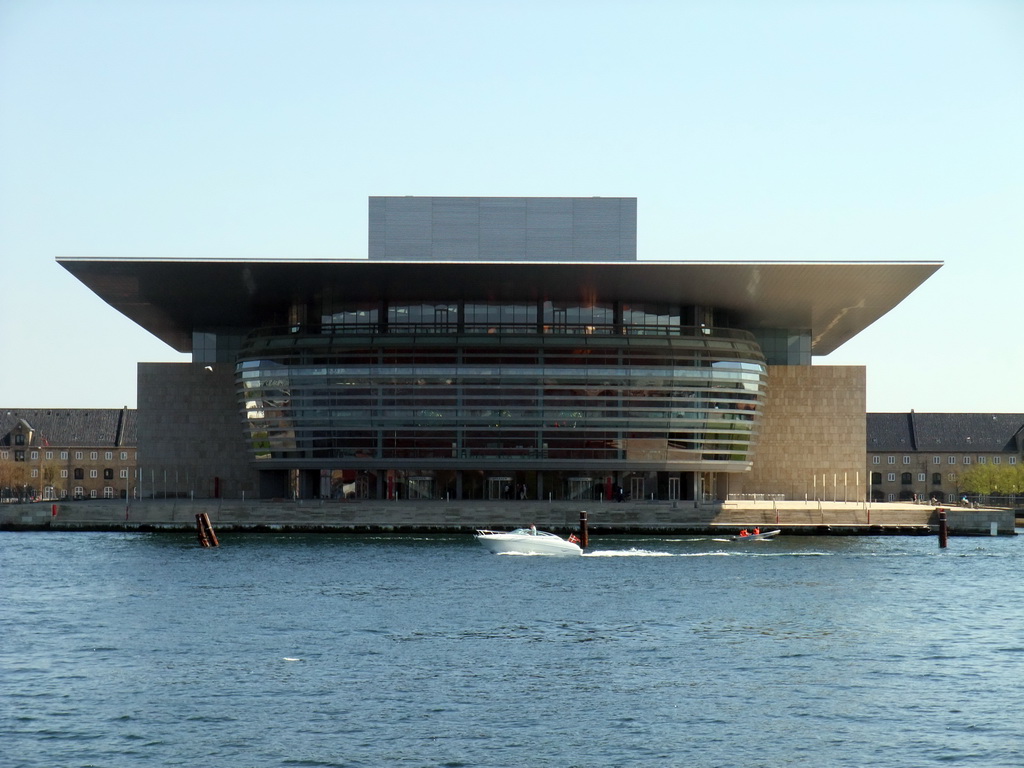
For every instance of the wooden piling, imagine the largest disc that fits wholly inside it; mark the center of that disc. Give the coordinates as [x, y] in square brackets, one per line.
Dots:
[943, 529]
[204, 528]
[584, 536]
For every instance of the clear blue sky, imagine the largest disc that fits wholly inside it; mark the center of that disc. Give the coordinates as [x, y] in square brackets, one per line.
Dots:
[764, 129]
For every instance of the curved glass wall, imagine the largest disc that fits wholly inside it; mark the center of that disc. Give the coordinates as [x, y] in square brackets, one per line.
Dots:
[514, 389]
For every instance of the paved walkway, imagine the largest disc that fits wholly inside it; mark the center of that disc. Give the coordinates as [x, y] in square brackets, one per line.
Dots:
[463, 516]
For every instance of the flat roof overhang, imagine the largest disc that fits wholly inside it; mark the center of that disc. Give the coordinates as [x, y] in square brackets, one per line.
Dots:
[170, 298]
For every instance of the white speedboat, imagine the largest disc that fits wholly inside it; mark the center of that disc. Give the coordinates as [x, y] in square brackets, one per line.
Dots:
[527, 541]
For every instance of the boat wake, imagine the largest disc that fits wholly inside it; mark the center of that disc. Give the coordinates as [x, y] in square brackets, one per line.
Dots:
[712, 553]
[627, 553]
[638, 552]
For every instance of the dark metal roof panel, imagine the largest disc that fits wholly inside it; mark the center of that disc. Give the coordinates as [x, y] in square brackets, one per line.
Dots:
[833, 300]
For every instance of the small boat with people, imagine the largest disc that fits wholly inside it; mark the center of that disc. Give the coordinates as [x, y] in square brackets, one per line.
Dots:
[755, 535]
[527, 541]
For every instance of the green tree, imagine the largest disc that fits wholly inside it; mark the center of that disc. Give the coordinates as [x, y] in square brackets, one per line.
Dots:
[1014, 480]
[14, 477]
[982, 479]
[993, 479]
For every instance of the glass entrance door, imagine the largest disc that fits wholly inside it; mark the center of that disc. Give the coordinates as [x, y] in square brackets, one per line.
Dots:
[499, 488]
[580, 488]
[708, 486]
[636, 488]
[421, 487]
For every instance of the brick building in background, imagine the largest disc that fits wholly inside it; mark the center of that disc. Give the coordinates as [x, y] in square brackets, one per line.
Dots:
[926, 456]
[67, 453]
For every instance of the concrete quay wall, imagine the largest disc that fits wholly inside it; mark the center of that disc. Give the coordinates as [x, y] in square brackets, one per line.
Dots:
[645, 517]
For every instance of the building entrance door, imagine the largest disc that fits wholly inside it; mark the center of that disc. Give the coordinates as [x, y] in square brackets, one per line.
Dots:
[636, 488]
[673, 489]
[499, 488]
[580, 488]
[421, 488]
[708, 486]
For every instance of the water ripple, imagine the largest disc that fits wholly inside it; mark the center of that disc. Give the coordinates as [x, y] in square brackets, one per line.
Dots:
[340, 651]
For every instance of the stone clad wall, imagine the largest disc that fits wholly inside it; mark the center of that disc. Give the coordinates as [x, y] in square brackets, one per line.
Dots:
[814, 424]
[189, 432]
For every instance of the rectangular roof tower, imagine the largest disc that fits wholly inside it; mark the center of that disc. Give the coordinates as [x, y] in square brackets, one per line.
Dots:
[559, 229]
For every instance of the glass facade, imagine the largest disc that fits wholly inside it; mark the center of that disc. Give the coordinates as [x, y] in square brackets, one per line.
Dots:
[438, 387]
[784, 347]
[215, 346]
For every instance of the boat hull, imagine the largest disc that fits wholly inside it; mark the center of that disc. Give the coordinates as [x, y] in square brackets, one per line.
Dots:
[527, 544]
[757, 536]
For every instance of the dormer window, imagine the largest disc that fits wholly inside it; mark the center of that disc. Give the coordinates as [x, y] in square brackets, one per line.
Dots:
[19, 439]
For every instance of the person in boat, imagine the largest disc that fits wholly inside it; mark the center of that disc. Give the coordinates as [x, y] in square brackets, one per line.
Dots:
[533, 529]
[744, 532]
[757, 531]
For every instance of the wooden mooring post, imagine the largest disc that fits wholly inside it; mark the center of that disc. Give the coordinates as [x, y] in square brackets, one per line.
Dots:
[584, 536]
[943, 529]
[207, 538]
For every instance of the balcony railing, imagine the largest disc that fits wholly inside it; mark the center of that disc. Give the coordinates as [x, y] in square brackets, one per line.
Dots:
[511, 328]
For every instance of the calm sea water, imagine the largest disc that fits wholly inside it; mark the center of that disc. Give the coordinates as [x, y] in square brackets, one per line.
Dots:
[286, 650]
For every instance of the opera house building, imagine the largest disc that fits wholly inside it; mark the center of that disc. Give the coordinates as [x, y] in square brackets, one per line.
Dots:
[492, 348]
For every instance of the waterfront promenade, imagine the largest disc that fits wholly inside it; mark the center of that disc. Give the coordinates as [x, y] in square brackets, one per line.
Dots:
[643, 517]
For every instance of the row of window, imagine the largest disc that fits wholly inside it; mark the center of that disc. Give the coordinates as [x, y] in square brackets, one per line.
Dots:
[64, 455]
[949, 459]
[448, 315]
[79, 473]
[78, 492]
[907, 478]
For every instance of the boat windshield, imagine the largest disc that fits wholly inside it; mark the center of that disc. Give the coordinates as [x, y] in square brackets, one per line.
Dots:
[530, 532]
